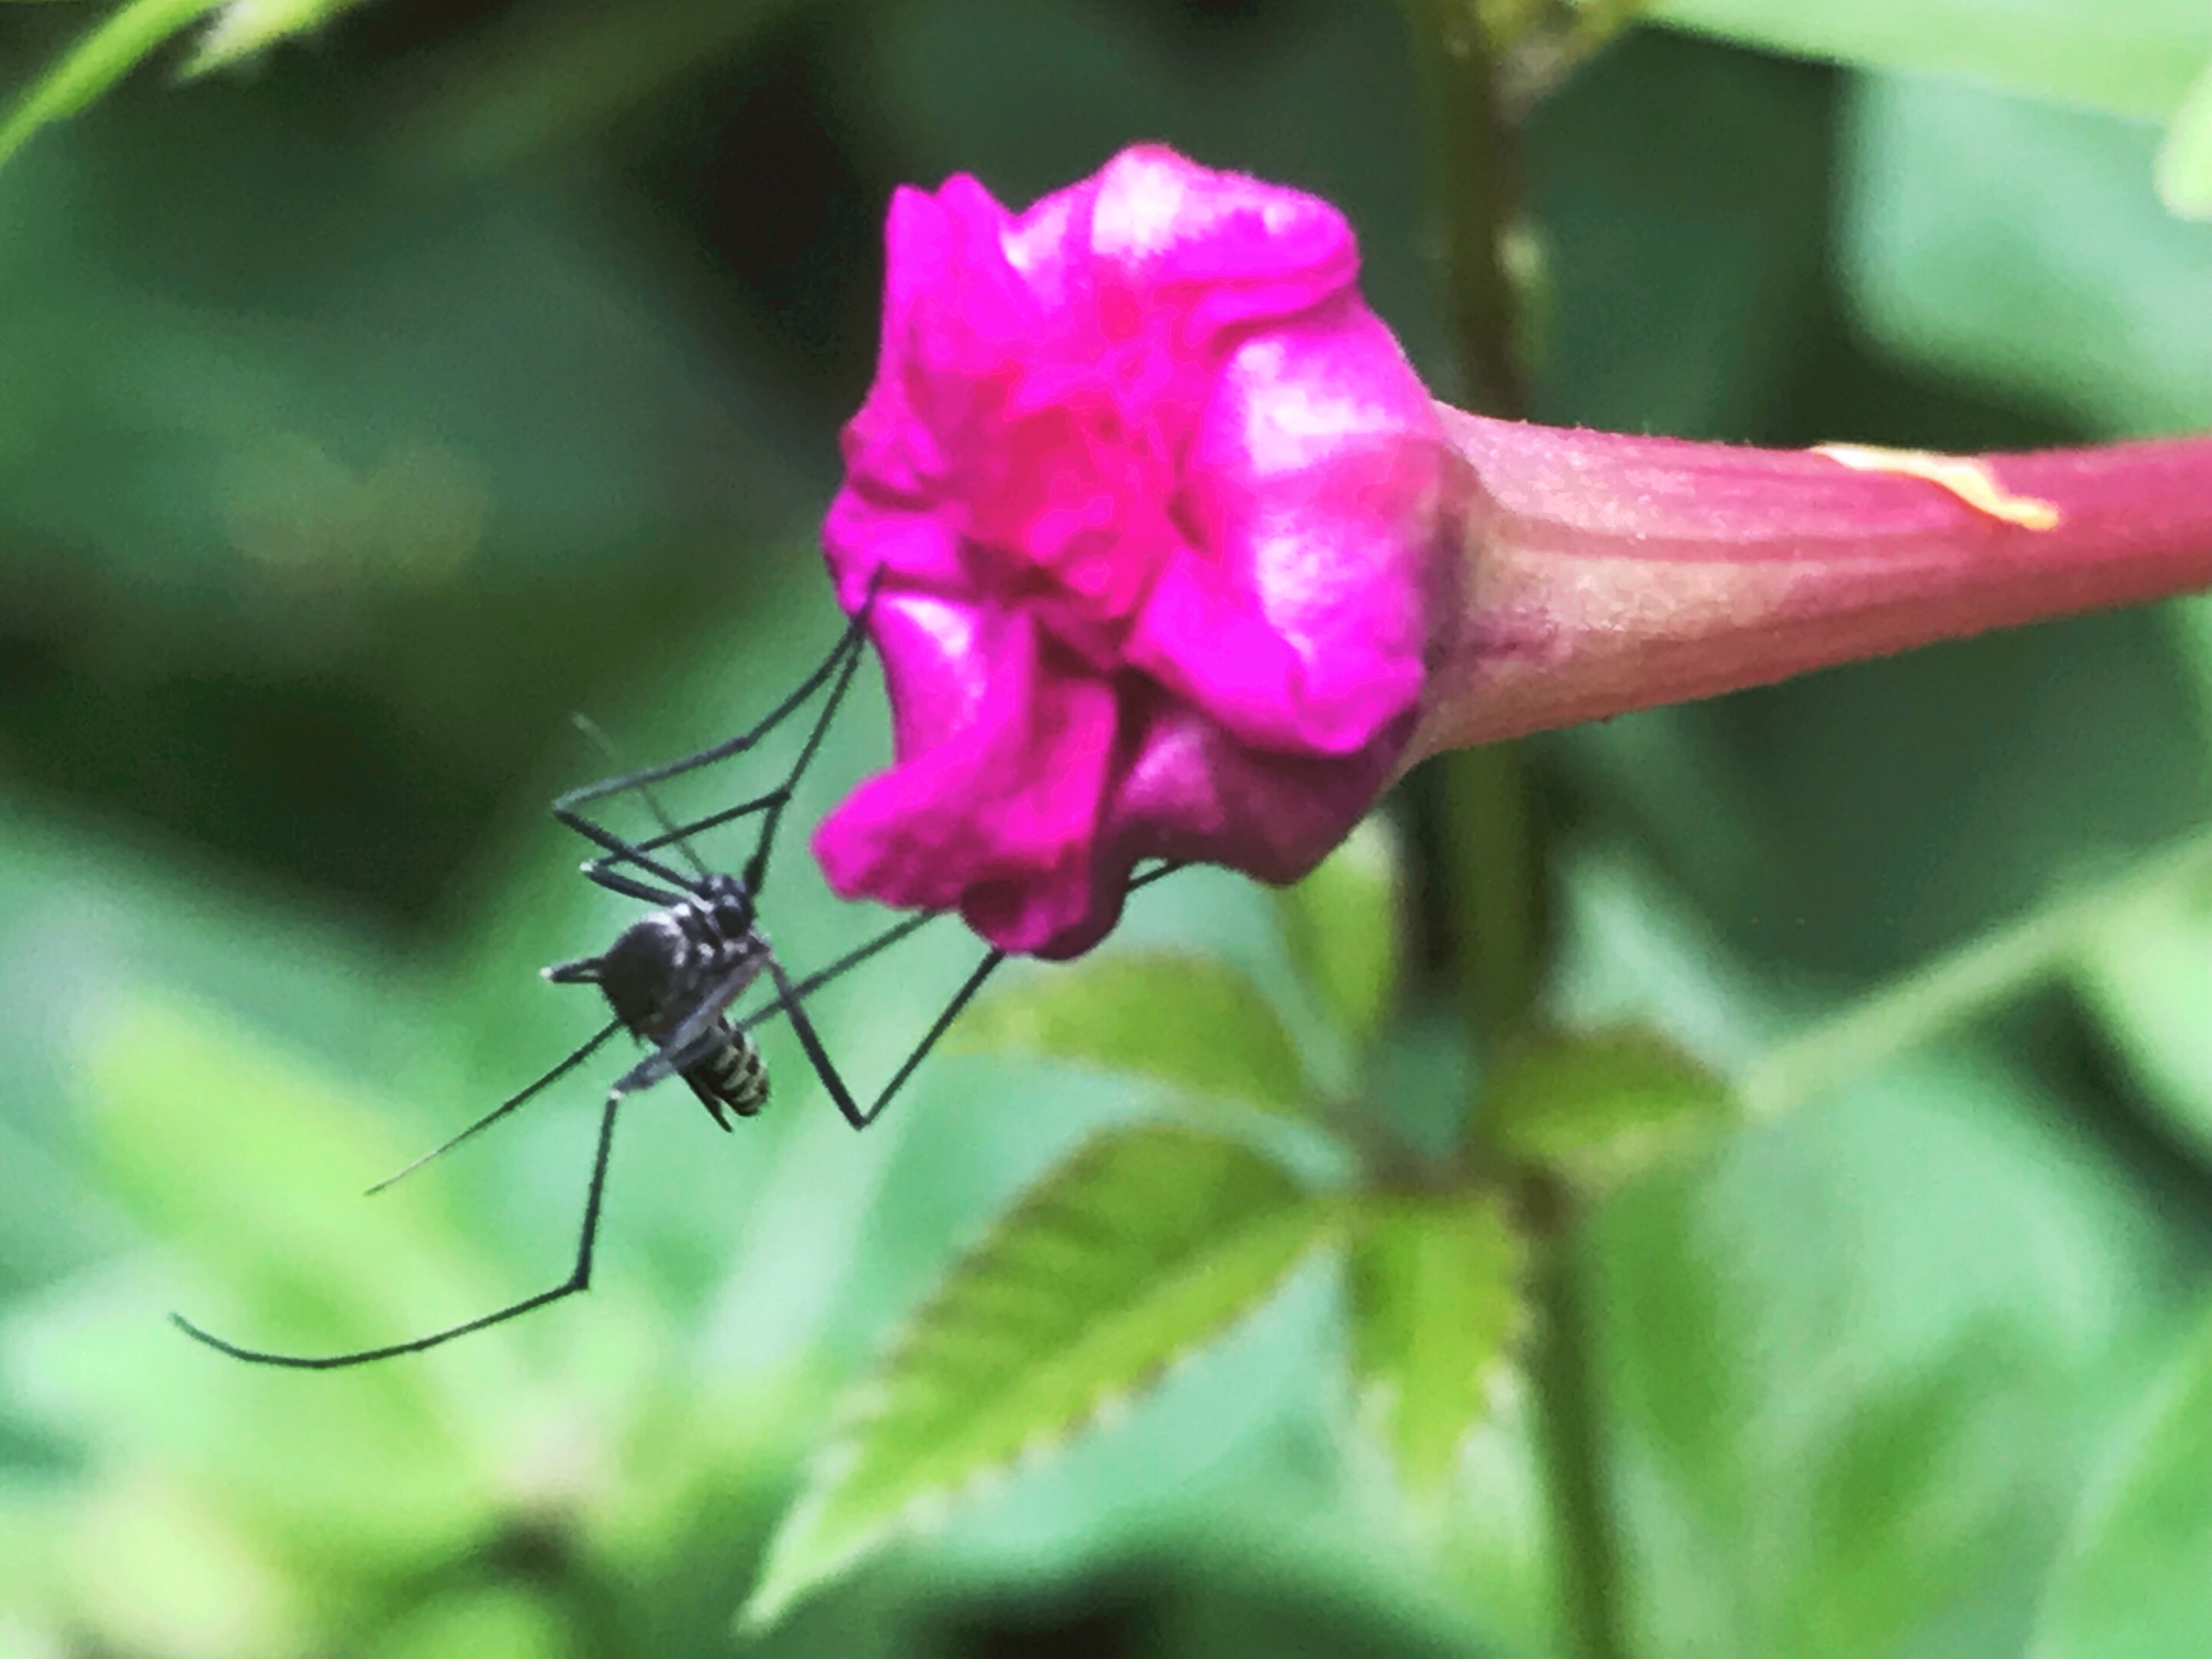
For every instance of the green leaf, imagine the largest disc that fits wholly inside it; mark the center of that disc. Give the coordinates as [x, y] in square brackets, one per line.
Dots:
[161, 1568]
[2146, 976]
[2136, 1580]
[2023, 246]
[509, 1620]
[2077, 51]
[546, 76]
[2099, 927]
[104, 57]
[2185, 161]
[1604, 1107]
[1188, 1021]
[1644, 162]
[1436, 1304]
[249, 1165]
[1341, 925]
[247, 26]
[1858, 1360]
[1149, 1241]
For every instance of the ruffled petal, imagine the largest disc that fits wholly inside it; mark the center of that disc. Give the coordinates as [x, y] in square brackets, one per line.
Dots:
[1149, 502]
[1002, 777]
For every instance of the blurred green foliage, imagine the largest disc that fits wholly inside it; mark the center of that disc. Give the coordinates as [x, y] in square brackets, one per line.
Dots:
[458, 365]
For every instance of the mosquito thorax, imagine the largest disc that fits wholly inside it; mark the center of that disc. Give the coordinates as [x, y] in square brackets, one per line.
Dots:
[660, 964]
[646, 971]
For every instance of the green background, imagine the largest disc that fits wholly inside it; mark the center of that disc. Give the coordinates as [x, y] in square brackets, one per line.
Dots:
[365, 409]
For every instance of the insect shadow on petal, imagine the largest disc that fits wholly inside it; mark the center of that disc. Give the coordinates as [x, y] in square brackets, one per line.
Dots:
[671, 977]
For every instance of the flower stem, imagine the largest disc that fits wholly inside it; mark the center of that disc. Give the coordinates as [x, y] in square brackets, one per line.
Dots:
[1569, 1441]
[1493, 869]
[1495, 862]
[1470, 144]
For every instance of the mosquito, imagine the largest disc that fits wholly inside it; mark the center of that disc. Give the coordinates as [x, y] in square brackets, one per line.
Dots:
[671, 977]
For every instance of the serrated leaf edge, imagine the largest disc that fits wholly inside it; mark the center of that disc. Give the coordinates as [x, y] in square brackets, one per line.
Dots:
[1503, 1380]
[929, 1509]
[1503, 1388]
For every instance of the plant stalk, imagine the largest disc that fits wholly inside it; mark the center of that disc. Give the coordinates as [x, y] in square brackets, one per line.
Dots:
[1570, 1432]
[1494, 862]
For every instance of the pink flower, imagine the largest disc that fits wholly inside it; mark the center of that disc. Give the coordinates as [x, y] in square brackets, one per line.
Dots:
[1173, 556]
[1152, 502]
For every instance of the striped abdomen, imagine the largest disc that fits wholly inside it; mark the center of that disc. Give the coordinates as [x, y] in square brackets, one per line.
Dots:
[732, 1076]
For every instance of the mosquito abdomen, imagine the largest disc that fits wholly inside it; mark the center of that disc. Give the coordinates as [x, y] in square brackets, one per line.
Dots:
[733, 1077]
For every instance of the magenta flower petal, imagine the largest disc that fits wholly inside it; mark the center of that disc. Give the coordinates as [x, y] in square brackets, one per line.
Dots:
[1153, 508]
[984, 724]
[1308, 491]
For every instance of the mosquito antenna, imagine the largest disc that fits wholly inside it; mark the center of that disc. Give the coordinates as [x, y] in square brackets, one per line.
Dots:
[504, 1107]
[669, 834]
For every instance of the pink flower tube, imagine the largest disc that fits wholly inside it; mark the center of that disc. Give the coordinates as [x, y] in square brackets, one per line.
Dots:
[1172, 556]
[1607, 573]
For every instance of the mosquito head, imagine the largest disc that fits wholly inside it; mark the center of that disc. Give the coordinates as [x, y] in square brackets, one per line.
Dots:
[729, 900]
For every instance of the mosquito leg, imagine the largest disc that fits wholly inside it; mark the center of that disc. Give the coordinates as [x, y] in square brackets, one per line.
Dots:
[802, 1026]
[755, 874]
[676, 834]
[771, 805]
[941, 1024]
[847, 644]
[628, 886]
[891, 935]
[851, 958]
[1157, 872]
[838, 664]
[621, 852]
[711, 821]
[790, 996]
[580, 1278]
[903, 928]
